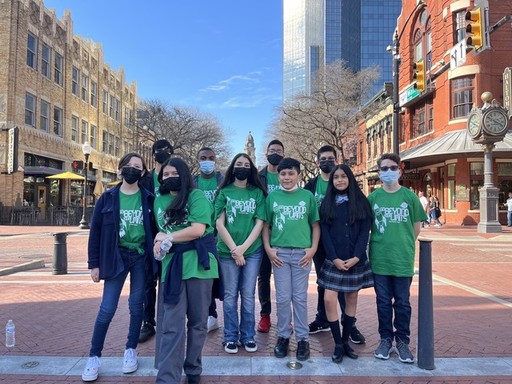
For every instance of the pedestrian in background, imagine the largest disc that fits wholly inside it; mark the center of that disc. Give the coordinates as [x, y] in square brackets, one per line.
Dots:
[240, 213]
[434, 211]
[345, 220]
[183, 216]
[120, 241]
[508, 204]
[397, 217]
[425, 205]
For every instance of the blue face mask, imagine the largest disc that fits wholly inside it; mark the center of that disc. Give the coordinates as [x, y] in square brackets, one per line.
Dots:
[389, 177]
[207, 166]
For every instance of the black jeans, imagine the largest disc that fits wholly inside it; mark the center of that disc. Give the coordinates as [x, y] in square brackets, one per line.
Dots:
[264, 285]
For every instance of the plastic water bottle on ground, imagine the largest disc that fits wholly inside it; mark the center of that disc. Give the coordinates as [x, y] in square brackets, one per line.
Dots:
[10, 331]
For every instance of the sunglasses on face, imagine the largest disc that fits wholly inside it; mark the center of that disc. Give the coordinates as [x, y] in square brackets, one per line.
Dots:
[391, 168]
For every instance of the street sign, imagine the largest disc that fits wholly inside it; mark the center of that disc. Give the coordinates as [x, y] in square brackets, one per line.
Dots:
[407, 95]
[458, 55]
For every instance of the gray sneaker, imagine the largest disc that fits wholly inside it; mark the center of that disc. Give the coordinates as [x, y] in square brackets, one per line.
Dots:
[382, 351]
[404, 353]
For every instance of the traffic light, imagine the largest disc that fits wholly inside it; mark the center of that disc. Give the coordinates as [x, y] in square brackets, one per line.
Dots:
[475, 29]
[419, 75]
[77, 165]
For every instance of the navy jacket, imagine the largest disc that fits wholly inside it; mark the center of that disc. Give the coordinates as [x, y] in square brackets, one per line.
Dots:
[103, 248]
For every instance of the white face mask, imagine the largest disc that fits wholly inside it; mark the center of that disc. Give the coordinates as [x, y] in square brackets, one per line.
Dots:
[389, 177]
[296, 186]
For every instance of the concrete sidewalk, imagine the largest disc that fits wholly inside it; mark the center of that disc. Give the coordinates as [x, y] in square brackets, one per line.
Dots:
[54, 315]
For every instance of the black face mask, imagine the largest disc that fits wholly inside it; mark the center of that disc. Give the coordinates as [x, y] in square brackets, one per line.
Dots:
[162, 157]
[327, 165]
[131, 175]
[241, 173]
[171, 184]
[274, 159]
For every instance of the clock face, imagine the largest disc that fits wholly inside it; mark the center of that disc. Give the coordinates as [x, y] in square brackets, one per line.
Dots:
[474, 124]
[495, 122]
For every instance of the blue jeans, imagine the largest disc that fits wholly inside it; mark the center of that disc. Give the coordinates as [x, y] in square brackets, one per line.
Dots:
[133, 264]
[509, 218]
[393, 295]
[240, 280]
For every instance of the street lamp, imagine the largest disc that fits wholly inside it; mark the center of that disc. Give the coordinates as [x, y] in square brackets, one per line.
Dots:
[86, 149]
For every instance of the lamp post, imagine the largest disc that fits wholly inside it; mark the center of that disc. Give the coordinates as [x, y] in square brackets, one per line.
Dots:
[86, 149]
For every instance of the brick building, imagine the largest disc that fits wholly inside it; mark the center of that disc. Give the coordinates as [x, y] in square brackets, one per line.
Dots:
[442, 159]
[56, 93]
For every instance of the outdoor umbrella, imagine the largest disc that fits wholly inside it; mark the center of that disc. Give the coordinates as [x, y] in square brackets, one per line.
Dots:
[98, 189]
[67, 176]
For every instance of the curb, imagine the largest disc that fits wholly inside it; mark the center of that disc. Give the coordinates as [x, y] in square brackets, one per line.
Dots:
[35, 264]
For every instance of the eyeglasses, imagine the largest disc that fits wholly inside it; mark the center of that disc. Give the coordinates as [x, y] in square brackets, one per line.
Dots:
[391, 168]
[278, 151]
[327, 158]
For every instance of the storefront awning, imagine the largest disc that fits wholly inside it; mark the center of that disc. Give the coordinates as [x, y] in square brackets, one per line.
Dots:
[452, 145]
[37, 171]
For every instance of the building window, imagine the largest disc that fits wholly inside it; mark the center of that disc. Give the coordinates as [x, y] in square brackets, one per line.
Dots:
[45, 116]
[94, 135]
[118, 109]
[369, 143]
[105, 102]
[451, 185]
[504, 181]
[85, 88]
[476, 175]
[117, 148]
[30, 110]
[112, 105]
[360, 154]
[423, 120]
[59, 62]
[74, 129]
[430, 116]
[46, 59]
[104, 148]
[85, 131]
[74, 81]
[389, 136]
[460, 26]
[57, 121]
[110, 144]
[94, 93]
[32, 51]
[462, 96]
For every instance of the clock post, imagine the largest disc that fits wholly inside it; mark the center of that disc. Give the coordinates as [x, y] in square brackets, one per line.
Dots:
[487, 126]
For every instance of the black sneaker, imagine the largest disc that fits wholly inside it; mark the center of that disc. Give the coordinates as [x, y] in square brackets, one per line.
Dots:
[281, 348]
[316, 327]
[303, 350]
[356, 337]
[147, 331]
[193, 379]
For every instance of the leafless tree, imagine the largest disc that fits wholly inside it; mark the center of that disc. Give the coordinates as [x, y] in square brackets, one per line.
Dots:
[328, 116]
[187, 129]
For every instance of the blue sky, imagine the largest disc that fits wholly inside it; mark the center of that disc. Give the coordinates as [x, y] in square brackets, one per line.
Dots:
[223, 57]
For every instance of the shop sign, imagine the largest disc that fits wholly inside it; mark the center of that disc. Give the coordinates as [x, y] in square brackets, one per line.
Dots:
[411, 176]
[409, 94]
[12, 150]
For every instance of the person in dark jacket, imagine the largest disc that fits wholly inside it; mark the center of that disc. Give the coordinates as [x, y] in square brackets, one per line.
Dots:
[162, 151]
[120, 241]
[345, 221]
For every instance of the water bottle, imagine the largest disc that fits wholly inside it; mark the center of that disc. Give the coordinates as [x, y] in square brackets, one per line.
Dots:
[165, 246]
[10, 334]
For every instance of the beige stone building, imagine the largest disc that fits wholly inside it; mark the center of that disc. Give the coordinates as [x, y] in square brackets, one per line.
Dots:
[56, 93]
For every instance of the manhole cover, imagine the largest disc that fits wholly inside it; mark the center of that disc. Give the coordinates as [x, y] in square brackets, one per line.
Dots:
[30, 364]
[294, 365]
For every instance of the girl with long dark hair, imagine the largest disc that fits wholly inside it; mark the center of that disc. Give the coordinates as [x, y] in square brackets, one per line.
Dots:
[345, 220]
[240, 213]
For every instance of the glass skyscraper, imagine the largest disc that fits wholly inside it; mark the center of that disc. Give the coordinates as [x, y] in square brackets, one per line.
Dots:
[318, 32]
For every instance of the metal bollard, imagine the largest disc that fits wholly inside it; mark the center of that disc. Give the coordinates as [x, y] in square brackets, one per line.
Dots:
[425, 308]
[60, 255]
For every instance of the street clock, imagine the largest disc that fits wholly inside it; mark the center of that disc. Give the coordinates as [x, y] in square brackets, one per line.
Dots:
[475, 123]
[495, 121]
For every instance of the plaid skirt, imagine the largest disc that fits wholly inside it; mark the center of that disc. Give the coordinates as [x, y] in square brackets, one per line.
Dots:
[356, 278]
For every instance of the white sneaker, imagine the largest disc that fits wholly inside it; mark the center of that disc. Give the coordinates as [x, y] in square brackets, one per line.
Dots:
[212, 324]
[130, 363]
[91, 369]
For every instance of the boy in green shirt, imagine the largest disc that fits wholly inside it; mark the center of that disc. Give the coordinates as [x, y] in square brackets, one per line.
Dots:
[290, 237]
[398, 214]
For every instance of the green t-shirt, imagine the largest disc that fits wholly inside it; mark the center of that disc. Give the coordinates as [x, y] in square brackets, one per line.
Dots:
[199, 211]
[291, 215]
[321, 188]
[392, 239]
[208, 186]
[242, 206]
[272, 181]
[131, 227]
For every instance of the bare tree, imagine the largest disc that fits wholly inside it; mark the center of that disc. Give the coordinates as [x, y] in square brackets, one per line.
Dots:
[187, 129]
[329, 116]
